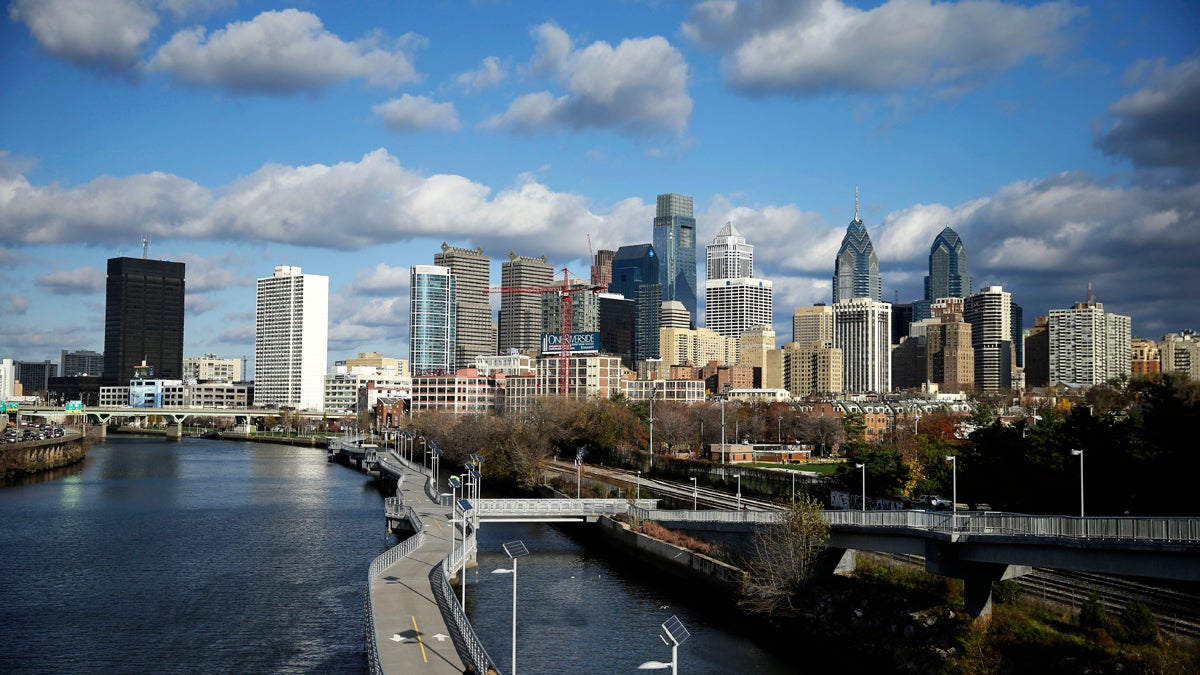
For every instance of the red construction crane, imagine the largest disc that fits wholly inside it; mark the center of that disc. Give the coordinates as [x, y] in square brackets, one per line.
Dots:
[564, 340]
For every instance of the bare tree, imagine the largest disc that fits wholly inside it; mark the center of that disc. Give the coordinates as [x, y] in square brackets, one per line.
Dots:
[826, 432]
[785, 555]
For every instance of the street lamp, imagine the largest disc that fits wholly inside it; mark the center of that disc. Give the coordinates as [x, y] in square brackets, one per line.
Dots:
[1080, 454]
[722, 429]
[864, 485]
[424, 452]
[639, 488]
[953, 459]
[738, 476]
[455, 484]
[514, 549]
[695, 493]
[677, 635]
[653, 391]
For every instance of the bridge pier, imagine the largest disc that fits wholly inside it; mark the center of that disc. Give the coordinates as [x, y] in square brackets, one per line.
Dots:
[174, 431]
[943, 558]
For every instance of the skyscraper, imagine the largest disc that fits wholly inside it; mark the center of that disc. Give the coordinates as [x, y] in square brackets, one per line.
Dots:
[862, 330]
[1088, 345]
[143, 318]
[432, 320]
[734, 301]
[291, 339]
[948, 276]
[856, 270]
[475, 332]
[813, 324]
[521, 313]
[635, 274]
[990, 314]
[675, 242]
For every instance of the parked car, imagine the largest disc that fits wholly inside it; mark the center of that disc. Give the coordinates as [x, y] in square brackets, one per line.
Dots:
[935, 502]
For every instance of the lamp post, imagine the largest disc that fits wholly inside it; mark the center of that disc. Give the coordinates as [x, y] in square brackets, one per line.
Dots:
[639, 488]
[1080, 454]
[953, 459]
[793, 486]
[653, 391]
[677, 634]
[514, 549]
[864, 485]
[424, 452]
[455, 484]
[738, 476]
[695, 493]
[722, 429]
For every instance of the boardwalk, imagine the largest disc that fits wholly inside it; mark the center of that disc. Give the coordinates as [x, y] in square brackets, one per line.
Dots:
[410, 631]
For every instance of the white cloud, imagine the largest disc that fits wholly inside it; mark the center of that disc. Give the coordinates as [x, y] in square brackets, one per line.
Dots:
[79, 281]
[637, 87]
[383, 279]
[416, 113]
[282, 52]
[105, 34]
[816, 46]
[1156, 126]
[489, 74]
[212, 273]
[14, 304]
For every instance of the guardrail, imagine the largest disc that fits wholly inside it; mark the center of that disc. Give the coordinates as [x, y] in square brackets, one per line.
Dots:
[393, 508]
[451, 606]
[965, 525]
[554, 507]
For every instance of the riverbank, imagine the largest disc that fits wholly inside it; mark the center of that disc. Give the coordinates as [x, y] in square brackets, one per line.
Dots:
[32, 457]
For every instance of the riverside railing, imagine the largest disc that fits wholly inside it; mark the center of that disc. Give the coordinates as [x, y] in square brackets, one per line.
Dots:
[389, 557]
[452, 610]
[1118, 528]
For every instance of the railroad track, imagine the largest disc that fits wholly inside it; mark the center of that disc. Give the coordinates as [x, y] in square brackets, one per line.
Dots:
[706, 497]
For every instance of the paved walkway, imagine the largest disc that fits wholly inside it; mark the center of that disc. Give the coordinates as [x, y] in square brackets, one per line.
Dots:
[412, 636]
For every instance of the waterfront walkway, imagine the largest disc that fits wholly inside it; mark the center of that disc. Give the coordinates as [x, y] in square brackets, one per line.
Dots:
[405, 596]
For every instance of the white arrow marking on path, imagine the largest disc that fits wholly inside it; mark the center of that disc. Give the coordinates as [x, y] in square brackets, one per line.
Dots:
[396, 638]
[440, 637]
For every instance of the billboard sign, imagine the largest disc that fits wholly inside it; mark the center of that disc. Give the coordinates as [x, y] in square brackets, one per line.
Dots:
[581, 343]
[73, 406]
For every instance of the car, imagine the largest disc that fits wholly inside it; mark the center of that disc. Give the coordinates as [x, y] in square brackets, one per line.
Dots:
[935, 502]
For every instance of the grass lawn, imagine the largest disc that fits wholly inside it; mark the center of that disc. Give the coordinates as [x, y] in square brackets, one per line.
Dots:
[823, 468]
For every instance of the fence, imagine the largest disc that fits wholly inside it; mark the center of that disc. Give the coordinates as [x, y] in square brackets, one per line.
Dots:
[393, 507]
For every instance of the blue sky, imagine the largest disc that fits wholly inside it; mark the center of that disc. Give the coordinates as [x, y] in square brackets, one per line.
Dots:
[1060, 139]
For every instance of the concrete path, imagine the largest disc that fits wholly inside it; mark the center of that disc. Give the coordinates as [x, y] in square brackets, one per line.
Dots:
[412, 636]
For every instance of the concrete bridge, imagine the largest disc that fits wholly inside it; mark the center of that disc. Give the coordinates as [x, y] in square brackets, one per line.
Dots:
[175, 416]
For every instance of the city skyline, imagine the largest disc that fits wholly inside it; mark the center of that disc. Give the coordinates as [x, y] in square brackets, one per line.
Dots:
[1059, 140]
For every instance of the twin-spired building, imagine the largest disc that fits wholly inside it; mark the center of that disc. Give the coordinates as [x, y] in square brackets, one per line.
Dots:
[291, 339]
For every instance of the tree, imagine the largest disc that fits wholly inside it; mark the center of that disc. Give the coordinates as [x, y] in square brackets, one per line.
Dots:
[785, 555]
[824, 432]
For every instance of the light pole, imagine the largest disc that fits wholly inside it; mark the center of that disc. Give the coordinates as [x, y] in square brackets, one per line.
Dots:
[722, 429]
[653, 391]
[424, 452]
[639, 488]
[779, 437]
[514, 549]
[864, 485]
[455, 484]
[738, 476]
[953, 459]
[677, 634]
[793, 486]
[695, 493]
[1080, 453]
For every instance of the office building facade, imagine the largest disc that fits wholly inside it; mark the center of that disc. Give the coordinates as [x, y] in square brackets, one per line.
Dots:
[521, 313]
[635, 271]
[81, 362]
[862, 330]
[143, 318]
[990, 314]
[856, 269]
[212, 368]
[291, 339]
[1088, 345]
[475, 332]
[432, 321]
[948, 277]
[675, 242]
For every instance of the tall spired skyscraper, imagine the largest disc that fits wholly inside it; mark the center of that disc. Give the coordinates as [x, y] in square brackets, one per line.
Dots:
[948, 276]
[675, 243]
[734, 301]
[856, 271]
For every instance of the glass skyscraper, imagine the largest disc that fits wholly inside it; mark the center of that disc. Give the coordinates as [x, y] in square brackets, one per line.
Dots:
[675, 241]
[856, 270]
[635, 272]
[143, 318]
[947, 277]
[433, 310]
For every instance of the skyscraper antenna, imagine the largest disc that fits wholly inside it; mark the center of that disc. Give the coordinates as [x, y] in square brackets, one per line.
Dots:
[856, 202]
[145, 246]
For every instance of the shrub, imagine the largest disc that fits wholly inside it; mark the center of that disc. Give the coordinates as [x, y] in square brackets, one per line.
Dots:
[1138, 624]
[1091, 613]
[1006, 592]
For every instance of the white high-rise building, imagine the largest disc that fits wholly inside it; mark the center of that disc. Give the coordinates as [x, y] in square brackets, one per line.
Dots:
[1180, 353]
[862, 330]
[1088, 345]
[8, 378]
[734, 301]
[212, 368]
[432, 320]
[990, 314]
[291, 339]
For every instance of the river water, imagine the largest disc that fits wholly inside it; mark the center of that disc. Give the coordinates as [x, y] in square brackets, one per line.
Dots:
[229, 557]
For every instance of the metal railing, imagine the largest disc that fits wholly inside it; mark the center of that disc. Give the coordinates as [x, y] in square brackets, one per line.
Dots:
[389, 557]
[554, 507]
[457, 620]
[742, 516]
[976, 525]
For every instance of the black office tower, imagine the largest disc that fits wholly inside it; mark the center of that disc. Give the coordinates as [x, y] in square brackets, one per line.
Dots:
[143, 319]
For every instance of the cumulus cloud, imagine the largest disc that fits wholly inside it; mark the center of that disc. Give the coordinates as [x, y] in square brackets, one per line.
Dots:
[383, 279]
[414, 113]
[13, 304]
[1158, 126]
[213, 273]
[637, 87]
[489, 74]
[816, 46]
[279, 53]
[79, 281]
[104, 34]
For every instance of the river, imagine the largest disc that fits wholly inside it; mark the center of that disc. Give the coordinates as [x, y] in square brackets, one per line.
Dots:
[231, 557]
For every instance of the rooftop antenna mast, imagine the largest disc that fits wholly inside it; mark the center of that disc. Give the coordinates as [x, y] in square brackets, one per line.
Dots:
[145, 246]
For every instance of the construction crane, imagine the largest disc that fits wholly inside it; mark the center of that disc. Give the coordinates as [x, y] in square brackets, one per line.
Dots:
[564, 292]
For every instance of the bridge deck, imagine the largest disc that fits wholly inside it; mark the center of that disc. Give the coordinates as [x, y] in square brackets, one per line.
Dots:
[411, 634]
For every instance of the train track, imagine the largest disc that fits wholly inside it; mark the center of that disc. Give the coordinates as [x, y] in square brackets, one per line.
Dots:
[1178, 612]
